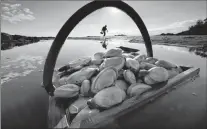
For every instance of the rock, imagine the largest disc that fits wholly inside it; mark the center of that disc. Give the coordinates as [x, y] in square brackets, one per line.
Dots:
[104, 79]
[66, 91]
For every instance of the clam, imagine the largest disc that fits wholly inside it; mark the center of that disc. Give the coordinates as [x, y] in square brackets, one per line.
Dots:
[127, 55]
[82, 115]
[132, 64]
[147, 66]
[104, 79]
[134, 53]
[114, 52]
[156, 75]
[79, 62]
[92, 105]
[78, 105]
[173, 72]
[67, 91]
[137, 89]
[140, 58]
[142, 73]
[70, 71]
[85, 87]
[116, 62]
[129, 76]
[151, 60]
[121, 84]
[99, 55]
[109, 97]
[139, 80]
[79, 76]
[120, 74]
[165, 64]
[96, 61]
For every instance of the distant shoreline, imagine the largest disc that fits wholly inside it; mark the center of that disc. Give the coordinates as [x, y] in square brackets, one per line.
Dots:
[196, 43]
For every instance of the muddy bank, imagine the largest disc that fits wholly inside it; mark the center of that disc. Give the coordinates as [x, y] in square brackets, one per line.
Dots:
[196, 43]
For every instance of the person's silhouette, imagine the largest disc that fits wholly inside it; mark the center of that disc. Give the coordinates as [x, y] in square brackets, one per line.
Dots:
[104, 29]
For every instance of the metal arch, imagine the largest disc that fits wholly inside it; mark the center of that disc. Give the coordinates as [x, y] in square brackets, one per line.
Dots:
[74, 20]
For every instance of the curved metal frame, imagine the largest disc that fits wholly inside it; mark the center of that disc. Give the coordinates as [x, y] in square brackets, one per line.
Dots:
[73, 21]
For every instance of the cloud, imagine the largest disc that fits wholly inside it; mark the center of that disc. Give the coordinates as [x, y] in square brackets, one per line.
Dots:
[14, 13]
[176, 26]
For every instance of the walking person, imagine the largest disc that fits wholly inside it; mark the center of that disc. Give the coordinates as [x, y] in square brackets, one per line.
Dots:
[104, 29]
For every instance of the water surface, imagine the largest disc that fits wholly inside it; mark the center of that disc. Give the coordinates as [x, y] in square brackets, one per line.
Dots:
[25, 102]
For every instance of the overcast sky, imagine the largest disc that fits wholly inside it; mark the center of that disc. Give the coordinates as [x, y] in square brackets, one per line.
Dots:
[45, 18]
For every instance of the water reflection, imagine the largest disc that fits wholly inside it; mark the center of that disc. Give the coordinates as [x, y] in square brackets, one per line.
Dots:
[25, 101]
[201, 51]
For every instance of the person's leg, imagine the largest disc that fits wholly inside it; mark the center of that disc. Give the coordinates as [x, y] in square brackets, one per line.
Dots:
[104, 33]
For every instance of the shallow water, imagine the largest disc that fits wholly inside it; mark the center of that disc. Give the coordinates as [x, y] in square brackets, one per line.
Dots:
[25, 103]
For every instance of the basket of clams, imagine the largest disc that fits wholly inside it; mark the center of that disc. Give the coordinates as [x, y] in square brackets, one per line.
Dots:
[94, 84]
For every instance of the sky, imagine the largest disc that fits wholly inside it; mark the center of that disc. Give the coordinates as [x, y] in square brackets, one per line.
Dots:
[45, 18]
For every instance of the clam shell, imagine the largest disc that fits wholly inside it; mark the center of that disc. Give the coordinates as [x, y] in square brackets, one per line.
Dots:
[70, 71]
[134, 53]
[147, 66]
[114, 52]
[120, 74]
[142, 73]
[82, 115]
[129, 76]
[96, 61]
[140, 58]
[132, 64]
[173, 72]
[104, 79]
[99, 55]
[81, 61]
[66, 91]
[78, 105]
[116, 62]
[121, 84]
[79, 76]
[109, 97]
[127, 55]
[151, 60]
[137, 89]
[85, 87]
[165, 64]
[156, 75]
